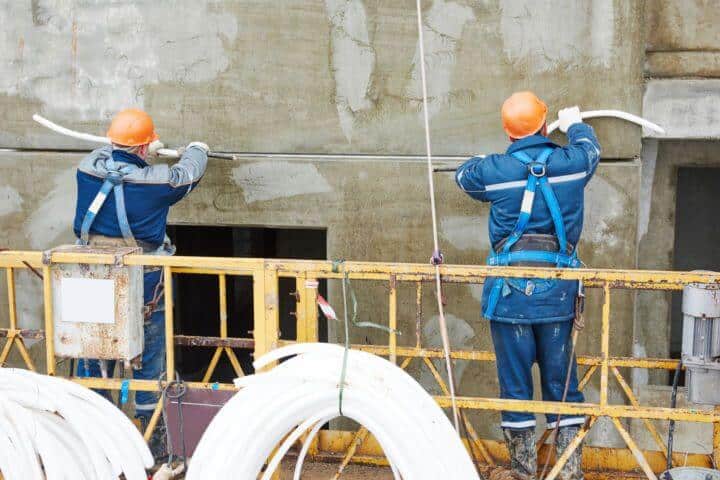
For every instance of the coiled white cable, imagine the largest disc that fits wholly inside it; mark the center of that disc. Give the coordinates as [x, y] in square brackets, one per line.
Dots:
[52, 428]
[273, 409]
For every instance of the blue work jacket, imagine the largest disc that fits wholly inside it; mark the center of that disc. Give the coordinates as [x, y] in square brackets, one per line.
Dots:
[501, 178]
[149, 191]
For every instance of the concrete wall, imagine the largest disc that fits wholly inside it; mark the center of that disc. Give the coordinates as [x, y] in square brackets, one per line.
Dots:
[311, 75]
[682, 65]
[682, 38]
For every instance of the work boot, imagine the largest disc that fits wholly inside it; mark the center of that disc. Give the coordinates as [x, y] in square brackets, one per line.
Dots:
[572, 470]
[523, 456]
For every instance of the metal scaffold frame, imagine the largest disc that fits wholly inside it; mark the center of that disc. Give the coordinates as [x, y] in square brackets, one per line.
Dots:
[359, 446]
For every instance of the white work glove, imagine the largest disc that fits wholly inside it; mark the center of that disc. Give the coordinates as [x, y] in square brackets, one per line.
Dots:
[569, 116]
[167, 473]
[154, 147]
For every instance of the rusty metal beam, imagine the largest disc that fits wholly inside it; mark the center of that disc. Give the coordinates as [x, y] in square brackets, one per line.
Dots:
[27, 334]
[199, 341]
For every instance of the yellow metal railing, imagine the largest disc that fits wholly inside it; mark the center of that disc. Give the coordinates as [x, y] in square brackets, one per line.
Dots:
[360, 446]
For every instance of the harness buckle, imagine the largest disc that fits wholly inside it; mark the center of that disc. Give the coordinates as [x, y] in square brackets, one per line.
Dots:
[536, 173]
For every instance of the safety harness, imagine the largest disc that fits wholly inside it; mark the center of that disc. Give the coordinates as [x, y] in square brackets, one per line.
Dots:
[113, 181]
[537, 176]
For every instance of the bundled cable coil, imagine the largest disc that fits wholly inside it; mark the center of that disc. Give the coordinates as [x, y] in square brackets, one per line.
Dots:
[55, 429]
[274, 409]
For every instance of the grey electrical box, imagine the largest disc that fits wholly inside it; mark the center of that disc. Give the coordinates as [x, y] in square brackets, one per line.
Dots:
[701, 342]
[98, 309]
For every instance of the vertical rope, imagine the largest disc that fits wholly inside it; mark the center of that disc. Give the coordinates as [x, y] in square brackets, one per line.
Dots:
[437, 256]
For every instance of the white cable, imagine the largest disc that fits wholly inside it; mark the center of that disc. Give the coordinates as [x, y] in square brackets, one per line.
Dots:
[73, 431]
[613, 113]
[273, 409]
[165, 152]
[431, 183]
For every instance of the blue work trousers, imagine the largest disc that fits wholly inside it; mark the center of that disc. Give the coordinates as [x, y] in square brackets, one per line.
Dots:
[153, 364]
[517, 348]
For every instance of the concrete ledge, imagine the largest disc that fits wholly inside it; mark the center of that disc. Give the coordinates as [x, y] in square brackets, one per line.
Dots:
[686, 109]
[682, 64]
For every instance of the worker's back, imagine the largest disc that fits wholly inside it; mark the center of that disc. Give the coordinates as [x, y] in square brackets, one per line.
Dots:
[149, 191]
[501, 180]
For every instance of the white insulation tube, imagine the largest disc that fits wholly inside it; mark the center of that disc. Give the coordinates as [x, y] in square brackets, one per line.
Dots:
[273, 409]
[165, 152]
[52, 428]
[616, 114]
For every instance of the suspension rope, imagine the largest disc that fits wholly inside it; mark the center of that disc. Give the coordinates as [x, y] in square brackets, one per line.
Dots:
[437, 255]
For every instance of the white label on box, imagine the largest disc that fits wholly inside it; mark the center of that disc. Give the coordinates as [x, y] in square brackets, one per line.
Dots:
[87, 300]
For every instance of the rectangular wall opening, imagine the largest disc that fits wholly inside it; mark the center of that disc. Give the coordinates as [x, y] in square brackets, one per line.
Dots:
[697, 234]
[197, 310]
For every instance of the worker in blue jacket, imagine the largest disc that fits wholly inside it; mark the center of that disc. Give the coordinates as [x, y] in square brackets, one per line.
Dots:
[123, 199]
[536, 194]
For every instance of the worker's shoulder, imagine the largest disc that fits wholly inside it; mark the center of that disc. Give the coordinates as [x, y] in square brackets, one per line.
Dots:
[89, 163]
[158, 174]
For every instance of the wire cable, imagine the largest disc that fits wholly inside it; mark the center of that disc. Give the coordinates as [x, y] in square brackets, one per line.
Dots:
[437, 255]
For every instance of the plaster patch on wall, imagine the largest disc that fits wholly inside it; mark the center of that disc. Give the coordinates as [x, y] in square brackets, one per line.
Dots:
[543, 39]
[460, 334]
[10, 201]
[352, 59]
[602, 213]
[442, 29]
[89, 59]
[269, 181]
[55, 214]
[465, 233]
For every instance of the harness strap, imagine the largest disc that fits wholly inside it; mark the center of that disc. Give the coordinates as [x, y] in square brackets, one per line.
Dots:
[113, 181]
[562, 260]
[537, 176]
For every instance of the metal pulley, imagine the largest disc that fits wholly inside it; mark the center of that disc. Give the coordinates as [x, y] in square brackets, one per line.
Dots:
[701, 342]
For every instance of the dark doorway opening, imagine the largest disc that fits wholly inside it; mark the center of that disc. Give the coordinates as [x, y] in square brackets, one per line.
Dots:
[697, 234]
[197, 310]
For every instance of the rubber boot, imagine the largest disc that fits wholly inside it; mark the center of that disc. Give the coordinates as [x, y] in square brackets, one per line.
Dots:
[572, 470]
[523, 456]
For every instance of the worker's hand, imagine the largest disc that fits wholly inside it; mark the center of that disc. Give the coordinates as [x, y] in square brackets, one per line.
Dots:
[167, 473]
[154, 147]
[200, 145]
[569, 116]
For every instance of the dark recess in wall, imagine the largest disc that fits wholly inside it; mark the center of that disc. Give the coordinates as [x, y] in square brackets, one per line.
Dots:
[197, 309]
[697, 234]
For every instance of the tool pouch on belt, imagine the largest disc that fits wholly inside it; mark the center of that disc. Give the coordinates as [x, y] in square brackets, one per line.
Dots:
[532, 242]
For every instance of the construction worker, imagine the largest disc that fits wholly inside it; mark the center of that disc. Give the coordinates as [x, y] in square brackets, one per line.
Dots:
[536, 195]
[124, 199]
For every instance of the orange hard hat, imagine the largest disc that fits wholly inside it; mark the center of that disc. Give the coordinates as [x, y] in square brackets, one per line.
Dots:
[523, 114]
[132, 127]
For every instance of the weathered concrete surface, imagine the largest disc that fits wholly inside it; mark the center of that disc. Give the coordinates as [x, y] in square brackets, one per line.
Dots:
[312, 75]
[656, 239]
[682, 25]
[376, 210]
[682, 64]
[688, 437]
[688, 109]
